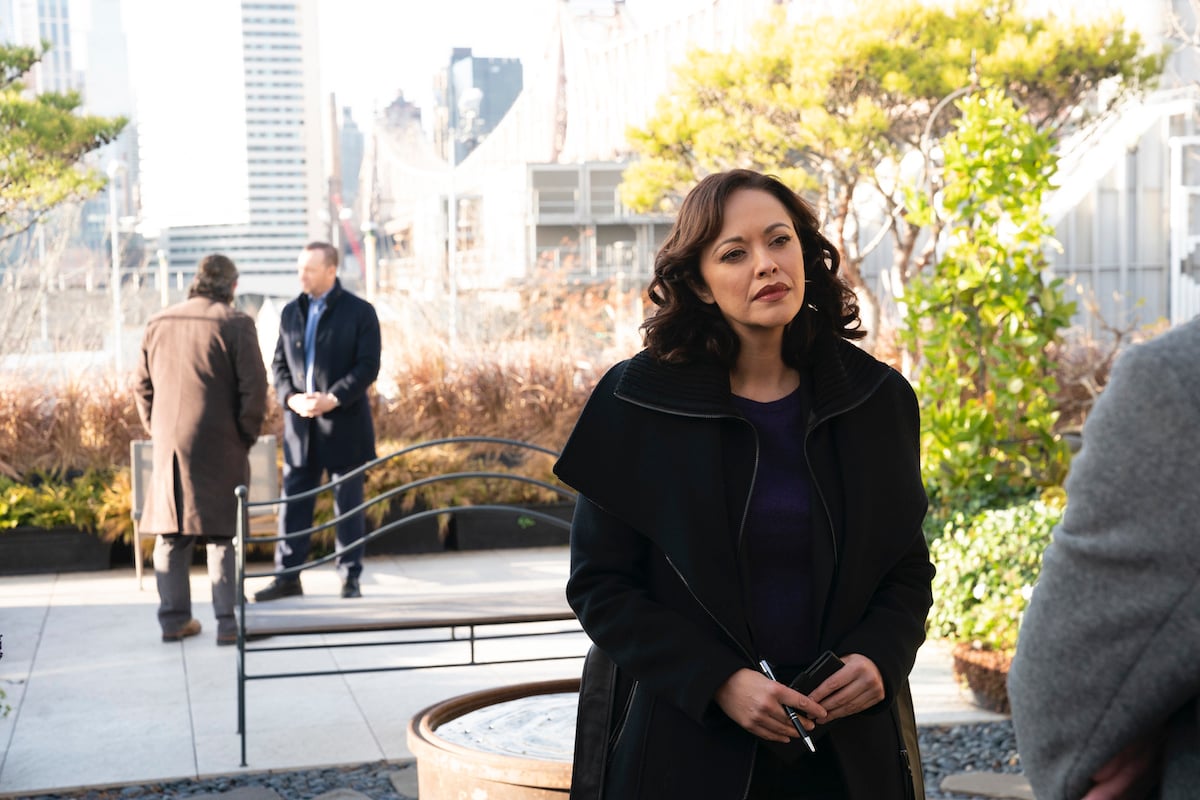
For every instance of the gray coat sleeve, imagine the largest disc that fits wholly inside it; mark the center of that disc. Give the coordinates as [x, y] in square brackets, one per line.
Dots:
[1110, 645]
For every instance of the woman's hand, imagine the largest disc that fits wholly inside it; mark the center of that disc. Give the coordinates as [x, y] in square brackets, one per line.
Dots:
[756, 702]
[853, 688]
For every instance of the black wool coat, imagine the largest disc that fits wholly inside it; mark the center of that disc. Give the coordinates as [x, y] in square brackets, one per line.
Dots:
[665, 465]
[348, 346]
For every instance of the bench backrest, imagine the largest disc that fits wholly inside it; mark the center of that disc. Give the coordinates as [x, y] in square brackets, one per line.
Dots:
[500, 460]
[264, 473]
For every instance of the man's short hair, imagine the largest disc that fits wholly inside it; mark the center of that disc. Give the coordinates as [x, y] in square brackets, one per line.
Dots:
[216, 275]
[329, 251]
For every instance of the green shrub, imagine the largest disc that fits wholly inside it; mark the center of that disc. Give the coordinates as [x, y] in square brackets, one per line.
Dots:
[446, 459]
[987, 565]
[986, 319]
[51, 503]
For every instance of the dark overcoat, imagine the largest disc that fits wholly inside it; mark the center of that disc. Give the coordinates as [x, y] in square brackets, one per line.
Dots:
[665, 465]
[348, 346]
[201, 394]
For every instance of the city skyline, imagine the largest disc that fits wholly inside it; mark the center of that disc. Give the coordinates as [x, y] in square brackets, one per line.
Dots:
[359, 68]
[372, 50]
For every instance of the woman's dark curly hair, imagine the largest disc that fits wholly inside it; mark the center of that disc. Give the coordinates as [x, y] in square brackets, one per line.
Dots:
[684, 328]
[216, 275]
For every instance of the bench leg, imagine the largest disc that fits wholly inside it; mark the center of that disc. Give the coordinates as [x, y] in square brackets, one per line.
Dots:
[241, 691]
[137, 555]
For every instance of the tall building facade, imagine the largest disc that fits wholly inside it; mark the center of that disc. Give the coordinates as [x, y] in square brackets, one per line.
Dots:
[31, 22]
[350, 152]
[108, 91]
[229, 134]
[473, 94]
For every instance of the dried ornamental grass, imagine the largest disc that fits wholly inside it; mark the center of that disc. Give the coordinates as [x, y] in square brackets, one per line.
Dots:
[82, 425]
[527, 392]
[518, 394]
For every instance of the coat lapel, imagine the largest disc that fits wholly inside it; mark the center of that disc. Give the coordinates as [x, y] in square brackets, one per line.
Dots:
[675, 490]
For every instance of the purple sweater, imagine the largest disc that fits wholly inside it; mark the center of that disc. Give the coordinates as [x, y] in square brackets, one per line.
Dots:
[778, 534]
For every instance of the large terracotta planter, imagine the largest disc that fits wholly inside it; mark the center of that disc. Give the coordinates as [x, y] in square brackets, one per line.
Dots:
[985, 675]
[28, 551]
[451, 770]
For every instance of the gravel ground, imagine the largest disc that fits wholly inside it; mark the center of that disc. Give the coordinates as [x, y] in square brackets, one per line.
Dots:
[985, 747]
[945, 751]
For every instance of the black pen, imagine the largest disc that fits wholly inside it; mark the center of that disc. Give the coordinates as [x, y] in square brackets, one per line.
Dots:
[791, 712]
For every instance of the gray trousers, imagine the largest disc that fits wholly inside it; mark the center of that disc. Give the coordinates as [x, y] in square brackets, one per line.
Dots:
[172, 568]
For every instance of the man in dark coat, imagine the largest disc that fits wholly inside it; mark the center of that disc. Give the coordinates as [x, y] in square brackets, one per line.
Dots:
[202, 395]
[326, 358]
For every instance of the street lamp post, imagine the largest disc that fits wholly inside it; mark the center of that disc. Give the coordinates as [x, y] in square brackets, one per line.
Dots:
[452, 250]
[115, 167]
[370, 255]
[926, 143]
[164, 291]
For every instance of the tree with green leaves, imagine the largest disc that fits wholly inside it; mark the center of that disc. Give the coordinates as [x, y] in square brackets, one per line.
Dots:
[832, 106]
[984, 322]
[43, 141]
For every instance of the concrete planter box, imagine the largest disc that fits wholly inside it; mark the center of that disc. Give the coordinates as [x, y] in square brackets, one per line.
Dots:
[29, 551]
[491, 529]
[411, 533]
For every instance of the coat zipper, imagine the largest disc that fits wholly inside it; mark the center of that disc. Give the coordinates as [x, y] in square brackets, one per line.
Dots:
[735, 640]
[814, 423]
[905, 761]
[741, 531]
[906, 772]
[820, 494]
[620, 729]
[745, 513]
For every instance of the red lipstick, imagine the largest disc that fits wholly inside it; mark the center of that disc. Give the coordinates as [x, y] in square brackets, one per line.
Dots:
[774, 289]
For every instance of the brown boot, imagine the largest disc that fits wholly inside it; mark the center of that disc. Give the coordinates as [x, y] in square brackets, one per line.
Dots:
[190, 629]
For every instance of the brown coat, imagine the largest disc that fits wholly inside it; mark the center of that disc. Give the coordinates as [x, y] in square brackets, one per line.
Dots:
[201, 394]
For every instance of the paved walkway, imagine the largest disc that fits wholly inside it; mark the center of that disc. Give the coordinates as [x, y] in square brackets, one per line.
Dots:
[97, 699]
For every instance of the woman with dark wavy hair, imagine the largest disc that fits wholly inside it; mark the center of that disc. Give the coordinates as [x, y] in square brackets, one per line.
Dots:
[750, 505]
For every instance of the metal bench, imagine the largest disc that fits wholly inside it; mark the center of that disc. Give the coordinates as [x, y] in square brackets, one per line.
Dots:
[439, 615]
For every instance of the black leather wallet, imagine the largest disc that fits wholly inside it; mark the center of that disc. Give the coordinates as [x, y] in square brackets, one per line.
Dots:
[825, 665]
[808, 680]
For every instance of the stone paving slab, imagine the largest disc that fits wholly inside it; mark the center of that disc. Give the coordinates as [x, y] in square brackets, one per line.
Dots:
[243, 793]
[404, 781]
[342, 794]
[1000, 785]
[185, 693]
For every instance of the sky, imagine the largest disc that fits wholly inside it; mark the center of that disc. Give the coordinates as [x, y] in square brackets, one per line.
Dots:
[370, 49]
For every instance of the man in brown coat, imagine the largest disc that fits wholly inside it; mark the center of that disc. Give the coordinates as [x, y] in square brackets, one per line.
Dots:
[201, 394]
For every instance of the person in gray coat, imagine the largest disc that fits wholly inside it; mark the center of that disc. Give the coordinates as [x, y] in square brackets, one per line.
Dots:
[1105, 684]
[201, 394]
